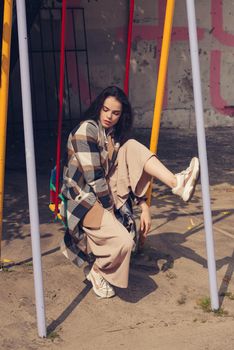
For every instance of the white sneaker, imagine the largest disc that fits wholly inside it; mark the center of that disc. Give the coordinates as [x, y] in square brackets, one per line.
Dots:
[101, 287]
[187, 180]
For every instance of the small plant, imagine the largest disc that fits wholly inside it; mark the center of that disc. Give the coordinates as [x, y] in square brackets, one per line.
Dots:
[205, 305]
[53, 335]
[220, 312]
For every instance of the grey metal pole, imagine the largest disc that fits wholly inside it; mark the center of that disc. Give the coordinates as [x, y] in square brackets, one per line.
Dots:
[202, 152]
[30, 164]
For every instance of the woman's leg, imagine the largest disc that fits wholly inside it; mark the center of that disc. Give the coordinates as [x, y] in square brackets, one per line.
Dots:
[112, 245]
[155, 168]
[137, 165]
[182, 184]
[140, 164]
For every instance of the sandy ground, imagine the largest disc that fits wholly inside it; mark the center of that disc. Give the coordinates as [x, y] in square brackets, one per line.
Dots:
[169, 281]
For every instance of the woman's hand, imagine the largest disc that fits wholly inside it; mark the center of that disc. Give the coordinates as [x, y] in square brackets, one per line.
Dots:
[145, 220]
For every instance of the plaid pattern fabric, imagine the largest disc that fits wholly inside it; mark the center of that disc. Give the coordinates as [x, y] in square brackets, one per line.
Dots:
[84, 175]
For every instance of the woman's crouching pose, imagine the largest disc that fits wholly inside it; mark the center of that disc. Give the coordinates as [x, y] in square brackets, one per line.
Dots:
[104, 166]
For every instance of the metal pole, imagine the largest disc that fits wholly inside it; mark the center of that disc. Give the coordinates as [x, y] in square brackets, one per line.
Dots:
[60, 115]
[30, 163]
[129, 45]
[162, 74]
[202, 152]
[4, 88]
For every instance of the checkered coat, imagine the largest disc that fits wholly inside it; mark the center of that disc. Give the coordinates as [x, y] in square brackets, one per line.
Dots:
[84, 176]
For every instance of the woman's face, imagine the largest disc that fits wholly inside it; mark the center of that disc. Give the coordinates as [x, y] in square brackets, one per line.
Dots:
[110, 112]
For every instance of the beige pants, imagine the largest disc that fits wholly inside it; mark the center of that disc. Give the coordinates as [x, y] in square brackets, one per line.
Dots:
[112, 243]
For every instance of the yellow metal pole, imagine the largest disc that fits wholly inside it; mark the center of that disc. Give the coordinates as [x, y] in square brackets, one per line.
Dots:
[4, 86]
[161, 80]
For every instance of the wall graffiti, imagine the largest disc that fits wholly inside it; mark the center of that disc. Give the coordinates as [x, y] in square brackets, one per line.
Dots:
[227, 39]
[154, 33]
[222, 42]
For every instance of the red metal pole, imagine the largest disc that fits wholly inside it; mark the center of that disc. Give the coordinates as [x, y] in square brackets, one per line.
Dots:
[129, 45]
[61, 90]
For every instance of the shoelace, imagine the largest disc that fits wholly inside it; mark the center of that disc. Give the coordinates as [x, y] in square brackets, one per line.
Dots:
[186, 171]
[103, 282]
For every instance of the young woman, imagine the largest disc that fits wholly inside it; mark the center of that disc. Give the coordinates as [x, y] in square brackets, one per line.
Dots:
[103, 167]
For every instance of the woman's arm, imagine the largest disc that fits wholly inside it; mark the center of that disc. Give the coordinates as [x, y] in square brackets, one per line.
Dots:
[85, 145]
[145, 219]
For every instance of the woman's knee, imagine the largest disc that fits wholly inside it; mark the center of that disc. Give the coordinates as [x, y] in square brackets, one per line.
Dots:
[131, 143]
[134, 147]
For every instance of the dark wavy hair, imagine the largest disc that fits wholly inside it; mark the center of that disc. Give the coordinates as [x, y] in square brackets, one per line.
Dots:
[124, 126]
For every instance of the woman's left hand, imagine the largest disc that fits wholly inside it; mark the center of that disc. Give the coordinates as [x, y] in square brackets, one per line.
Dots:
[145, 219]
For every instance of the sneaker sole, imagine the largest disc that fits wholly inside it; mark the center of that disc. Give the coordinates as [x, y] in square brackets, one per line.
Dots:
[90, 278]
[191, 184]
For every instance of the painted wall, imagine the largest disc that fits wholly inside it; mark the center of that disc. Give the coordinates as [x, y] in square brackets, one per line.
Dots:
[107, 32]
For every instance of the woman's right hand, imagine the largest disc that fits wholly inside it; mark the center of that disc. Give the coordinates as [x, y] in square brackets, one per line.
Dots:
[145, 220]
